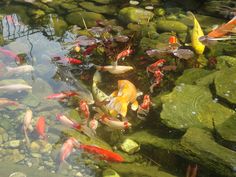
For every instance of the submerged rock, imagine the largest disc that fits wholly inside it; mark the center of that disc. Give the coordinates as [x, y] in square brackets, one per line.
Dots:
[59, 25]
[3, 135]
[90, 18]
[103, 9]
[227, 131]
[135, 15]
[225, 84]
[192, 105]
[129, 146]
[170, 26]
[110, 173]
[14, 156]
[225, 62]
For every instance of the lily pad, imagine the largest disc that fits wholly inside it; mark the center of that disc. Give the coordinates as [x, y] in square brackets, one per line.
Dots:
[192, 105]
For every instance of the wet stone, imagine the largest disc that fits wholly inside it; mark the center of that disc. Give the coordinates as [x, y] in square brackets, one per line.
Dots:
[3, 135]
[14, 156]
[13, 143]
[110, 173]
[130, 146]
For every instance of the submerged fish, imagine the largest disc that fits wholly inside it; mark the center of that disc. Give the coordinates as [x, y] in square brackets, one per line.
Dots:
[124, 53]
[27, 126]
[114, 69]
[63, 95]
[10, 54]
[40, 127]
[6, 102]
[126, 93]
[144, 108]
[197, 32]
[20, 69]
[15, 88]
[103, 153]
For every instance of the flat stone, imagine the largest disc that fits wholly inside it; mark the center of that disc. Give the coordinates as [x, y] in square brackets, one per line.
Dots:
[130, 146]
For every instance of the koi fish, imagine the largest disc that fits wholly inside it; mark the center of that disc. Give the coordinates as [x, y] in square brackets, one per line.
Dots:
[15, 88]
[197, 32]
[183, 53]
[210, 41]
[62, 95]
[124, 53]
[144, 108]
[153, 67]
[40, 127]
[99, 95]
[83, 105]
[81, 128]
[103, 153]
[27, 126]
[93, 124]
[68, 60]
[111, 122]
[114, 69]
[10, 54]
[89, 50]
[126, 93]
[67, 149]
[6, 102]
[223, 29]
[20, 69]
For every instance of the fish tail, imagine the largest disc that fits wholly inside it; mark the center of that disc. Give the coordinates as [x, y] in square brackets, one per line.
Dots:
[26, 137]
[191, 14]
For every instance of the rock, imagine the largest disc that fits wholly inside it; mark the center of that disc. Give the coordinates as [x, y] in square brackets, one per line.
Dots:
[225, 84]
[75, 18]
[13, 143]
[36, 13]
[46, 148]
[227, 131]
[14, 156]
[103, 9]
[170, 26]
[5, 123]
[204, 150]
[139, 170]
[102, 1]
[31, 100]
[147, 43]
[225, 62]
[40, 146]
[192, 105]
[110, 173]
[69, 6]
[135, 15]
[3, 135]
[130, 146]
[207, 80]
[36, 155]
[34, 147]
[190, 76]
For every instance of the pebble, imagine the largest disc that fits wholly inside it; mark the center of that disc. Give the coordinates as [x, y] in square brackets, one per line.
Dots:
[29, 164]
[78, 174]
[41, 168]
[36, 155]
[149, 7]
[134, 2]
[14, 143]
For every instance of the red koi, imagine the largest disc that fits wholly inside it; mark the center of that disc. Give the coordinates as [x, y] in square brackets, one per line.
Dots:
[10, 54]
[89, 50]
[155, 66]
[172, 40]
[124, 53]
[144, 108]
[72, 60]
[40, 127]
[83, 105]
[105, 154]
[62, 95]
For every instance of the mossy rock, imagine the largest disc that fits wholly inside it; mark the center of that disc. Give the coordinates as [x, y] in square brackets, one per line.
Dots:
[207, 80]
[138, 170]
[102, 1]
[225, 84]
[170, 25]
[147, 43]
[135, 15]
[103, 9]
[227, 129]
[59, 25]
[225, 62]
[192, 105]
[198, 145]
[110, 173]
[75, 18]
[190, 76]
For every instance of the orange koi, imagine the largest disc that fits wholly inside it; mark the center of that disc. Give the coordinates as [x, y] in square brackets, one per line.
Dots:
[103, 153]
[83, 105]
[40, 127]
[124, 53]
[223, 29]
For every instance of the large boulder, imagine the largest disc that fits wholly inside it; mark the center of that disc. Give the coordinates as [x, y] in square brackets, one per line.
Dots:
[90, 18]
[225, 84]
[135, 15]
[192, 105]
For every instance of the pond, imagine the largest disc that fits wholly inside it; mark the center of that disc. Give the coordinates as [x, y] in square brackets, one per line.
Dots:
[117, 88]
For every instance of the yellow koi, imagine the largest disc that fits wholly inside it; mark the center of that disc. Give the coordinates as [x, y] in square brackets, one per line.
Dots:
[197, 32]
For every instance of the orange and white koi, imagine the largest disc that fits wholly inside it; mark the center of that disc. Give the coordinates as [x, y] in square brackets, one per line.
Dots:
[79, 127]
[40, 127]
[104, 154]
[63, 95]
[27, 126]
[124, 53]
[114, 69]
[158, 75]
[126, 93]
[144, 108]
[84, 108]
[155, 66]
[93, 124]
[223, 29]
[6, 102]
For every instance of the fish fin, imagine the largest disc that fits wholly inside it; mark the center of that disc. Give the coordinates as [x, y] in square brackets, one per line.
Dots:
[123, 109]
[113, 94]
[134, 105]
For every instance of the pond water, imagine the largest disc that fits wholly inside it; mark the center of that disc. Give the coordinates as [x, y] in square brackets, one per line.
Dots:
[58, 66]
